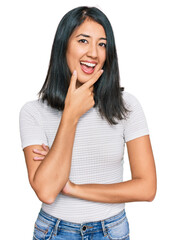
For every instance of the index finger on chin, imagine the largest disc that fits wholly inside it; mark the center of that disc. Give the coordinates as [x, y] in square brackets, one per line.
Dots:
[95, 77]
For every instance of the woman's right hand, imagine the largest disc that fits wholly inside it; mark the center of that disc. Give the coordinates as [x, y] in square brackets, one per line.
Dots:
[79, 100]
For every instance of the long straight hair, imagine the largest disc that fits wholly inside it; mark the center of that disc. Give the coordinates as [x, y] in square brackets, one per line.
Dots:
[107, 91]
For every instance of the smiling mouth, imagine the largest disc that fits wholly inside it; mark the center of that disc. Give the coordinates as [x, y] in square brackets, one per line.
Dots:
[87, 67]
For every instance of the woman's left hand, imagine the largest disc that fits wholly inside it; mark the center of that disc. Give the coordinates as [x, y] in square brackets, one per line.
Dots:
[68, 188]
[41, 154]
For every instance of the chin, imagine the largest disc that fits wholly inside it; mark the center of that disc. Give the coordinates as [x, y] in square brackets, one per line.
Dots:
[83, 79]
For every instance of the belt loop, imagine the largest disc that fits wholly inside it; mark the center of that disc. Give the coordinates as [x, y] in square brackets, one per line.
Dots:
[103, 227]
[56, 226]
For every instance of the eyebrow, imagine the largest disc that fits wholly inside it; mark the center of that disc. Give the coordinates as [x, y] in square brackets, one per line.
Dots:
[84, 35]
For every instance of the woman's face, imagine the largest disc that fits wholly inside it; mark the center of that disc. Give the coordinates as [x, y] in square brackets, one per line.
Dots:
[86, 51]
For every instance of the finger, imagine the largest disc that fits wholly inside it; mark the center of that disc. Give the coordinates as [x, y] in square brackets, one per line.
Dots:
[91, 88]
[38, 158]
[73, 81]
[40, 152]
[93, 79]
[46, 148]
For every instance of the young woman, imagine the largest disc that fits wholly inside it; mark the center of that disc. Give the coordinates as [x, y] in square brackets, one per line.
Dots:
[73, 136]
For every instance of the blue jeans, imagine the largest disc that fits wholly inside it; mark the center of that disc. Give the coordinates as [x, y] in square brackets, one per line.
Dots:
[48, 227]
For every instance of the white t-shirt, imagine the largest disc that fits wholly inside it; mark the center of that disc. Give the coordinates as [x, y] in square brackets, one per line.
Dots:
[97, 156]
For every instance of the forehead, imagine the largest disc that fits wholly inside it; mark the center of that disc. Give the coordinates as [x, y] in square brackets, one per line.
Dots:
[91, 28]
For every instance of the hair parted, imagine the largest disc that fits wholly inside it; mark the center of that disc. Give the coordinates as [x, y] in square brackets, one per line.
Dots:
[107, 91]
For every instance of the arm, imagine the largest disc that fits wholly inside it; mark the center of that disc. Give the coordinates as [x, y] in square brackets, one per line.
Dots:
[48, 177]
[142, 186]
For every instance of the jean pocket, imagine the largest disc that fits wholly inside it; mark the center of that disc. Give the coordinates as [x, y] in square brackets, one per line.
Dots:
[42, 230]
[118, 230]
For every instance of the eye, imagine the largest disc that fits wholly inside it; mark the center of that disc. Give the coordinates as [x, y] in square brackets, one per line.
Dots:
[102, 44]
[83, 41]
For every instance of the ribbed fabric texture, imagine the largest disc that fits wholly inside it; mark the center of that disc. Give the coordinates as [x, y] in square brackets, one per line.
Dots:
[97, 156]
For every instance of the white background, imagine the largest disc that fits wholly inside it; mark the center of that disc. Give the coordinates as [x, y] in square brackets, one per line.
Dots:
[146, 47]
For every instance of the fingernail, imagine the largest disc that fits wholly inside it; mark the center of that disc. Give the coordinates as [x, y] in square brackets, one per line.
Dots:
[35, 150]
[74, 72]
[102, 70]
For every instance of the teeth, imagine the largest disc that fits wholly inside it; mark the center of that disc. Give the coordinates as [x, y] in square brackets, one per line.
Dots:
[88, 64]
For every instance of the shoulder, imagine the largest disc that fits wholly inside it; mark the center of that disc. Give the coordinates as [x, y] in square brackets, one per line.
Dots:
[31, 110]
[32, 106]
[135, 125]
[38, 110]
[129, 98]
[28, 105]
[133, 104]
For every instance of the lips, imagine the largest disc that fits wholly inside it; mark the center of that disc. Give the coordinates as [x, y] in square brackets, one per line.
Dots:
[88, 67]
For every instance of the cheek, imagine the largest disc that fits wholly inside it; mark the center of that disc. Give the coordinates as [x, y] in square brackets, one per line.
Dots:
[73, 56]
[70, 61]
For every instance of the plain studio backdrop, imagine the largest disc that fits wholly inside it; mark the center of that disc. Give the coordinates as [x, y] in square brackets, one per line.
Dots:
[146, 46]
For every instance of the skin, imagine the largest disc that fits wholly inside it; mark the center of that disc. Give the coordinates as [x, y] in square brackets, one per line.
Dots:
[48, 177]
[87, 43]
[142, 186]
[40, 156]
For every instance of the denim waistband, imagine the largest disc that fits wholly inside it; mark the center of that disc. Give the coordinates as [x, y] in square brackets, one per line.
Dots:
[85, 227]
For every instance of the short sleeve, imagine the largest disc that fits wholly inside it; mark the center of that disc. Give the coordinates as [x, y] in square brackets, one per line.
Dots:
[136, 124]
[31, 130]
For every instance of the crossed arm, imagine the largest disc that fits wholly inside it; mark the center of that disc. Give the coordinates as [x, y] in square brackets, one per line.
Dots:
[141, 187]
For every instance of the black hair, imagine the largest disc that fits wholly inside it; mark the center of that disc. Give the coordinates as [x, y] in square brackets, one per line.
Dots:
[107, 91]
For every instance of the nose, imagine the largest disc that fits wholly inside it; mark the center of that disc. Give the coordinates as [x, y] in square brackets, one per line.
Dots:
[92, 51]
